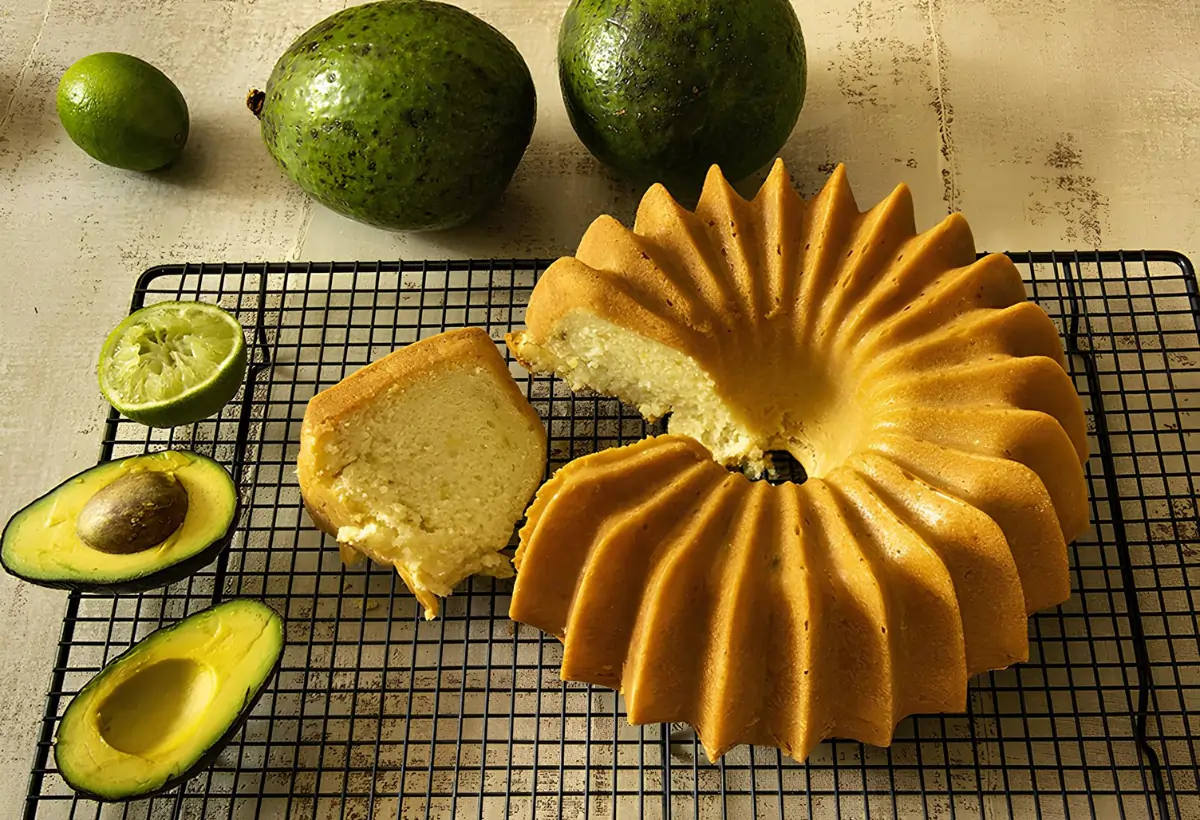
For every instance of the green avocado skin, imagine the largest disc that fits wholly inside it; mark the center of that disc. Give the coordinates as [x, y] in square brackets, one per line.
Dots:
[660, 90]
[404, 114]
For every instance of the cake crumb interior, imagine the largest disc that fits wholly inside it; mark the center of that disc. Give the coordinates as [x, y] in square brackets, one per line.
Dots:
[811, 419]
[424, 496]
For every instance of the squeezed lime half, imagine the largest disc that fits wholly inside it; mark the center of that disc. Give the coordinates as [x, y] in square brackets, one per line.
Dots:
[173, 363]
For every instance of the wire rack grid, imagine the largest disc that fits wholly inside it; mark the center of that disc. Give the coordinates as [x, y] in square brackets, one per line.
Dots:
[376, 713]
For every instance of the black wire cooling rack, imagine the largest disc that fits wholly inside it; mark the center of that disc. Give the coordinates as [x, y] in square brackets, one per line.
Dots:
[376, 713]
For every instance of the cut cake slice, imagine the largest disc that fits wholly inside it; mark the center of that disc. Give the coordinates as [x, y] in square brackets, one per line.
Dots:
[424, 460]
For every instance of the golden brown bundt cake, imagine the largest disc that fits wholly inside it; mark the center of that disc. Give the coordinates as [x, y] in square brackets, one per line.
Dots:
[927, 399]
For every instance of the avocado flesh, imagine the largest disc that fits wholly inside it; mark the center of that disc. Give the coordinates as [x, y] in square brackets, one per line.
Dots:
[162, 711]
[41, 544]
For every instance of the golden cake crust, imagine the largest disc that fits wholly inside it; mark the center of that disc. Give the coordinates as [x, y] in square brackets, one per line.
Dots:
[462, 347]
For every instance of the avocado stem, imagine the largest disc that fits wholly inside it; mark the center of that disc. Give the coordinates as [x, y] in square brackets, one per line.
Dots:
[254, 101]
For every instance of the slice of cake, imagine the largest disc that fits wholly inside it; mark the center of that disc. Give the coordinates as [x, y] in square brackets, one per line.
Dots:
[424, 460]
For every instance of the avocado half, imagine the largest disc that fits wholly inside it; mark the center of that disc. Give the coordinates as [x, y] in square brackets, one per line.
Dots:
[41, 543]
[162, 712]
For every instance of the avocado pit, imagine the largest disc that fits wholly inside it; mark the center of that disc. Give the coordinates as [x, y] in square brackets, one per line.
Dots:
[138, 511]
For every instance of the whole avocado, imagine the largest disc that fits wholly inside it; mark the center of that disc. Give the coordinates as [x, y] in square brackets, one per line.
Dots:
[660, 90]
[404, 114]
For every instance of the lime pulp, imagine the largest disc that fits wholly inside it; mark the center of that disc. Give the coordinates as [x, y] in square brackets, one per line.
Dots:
[173, 363]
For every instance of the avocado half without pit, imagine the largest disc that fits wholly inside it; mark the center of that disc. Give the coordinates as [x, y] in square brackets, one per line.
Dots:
[161, 713]
[125, 526]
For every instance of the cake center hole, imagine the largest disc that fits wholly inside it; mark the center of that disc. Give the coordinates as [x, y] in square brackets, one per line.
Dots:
[820, 425]
[784, 468]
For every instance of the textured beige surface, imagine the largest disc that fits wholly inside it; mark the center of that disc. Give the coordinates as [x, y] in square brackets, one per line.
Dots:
[1073, 123]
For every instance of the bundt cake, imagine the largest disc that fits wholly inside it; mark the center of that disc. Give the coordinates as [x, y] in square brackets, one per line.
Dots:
[927, 399]
[424, 460]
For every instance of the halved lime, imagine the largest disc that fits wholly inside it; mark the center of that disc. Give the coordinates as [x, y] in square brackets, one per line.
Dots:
[173, 363]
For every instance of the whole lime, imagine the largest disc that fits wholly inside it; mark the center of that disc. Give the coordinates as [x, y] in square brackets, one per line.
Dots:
[123, 111]
[661, 91]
